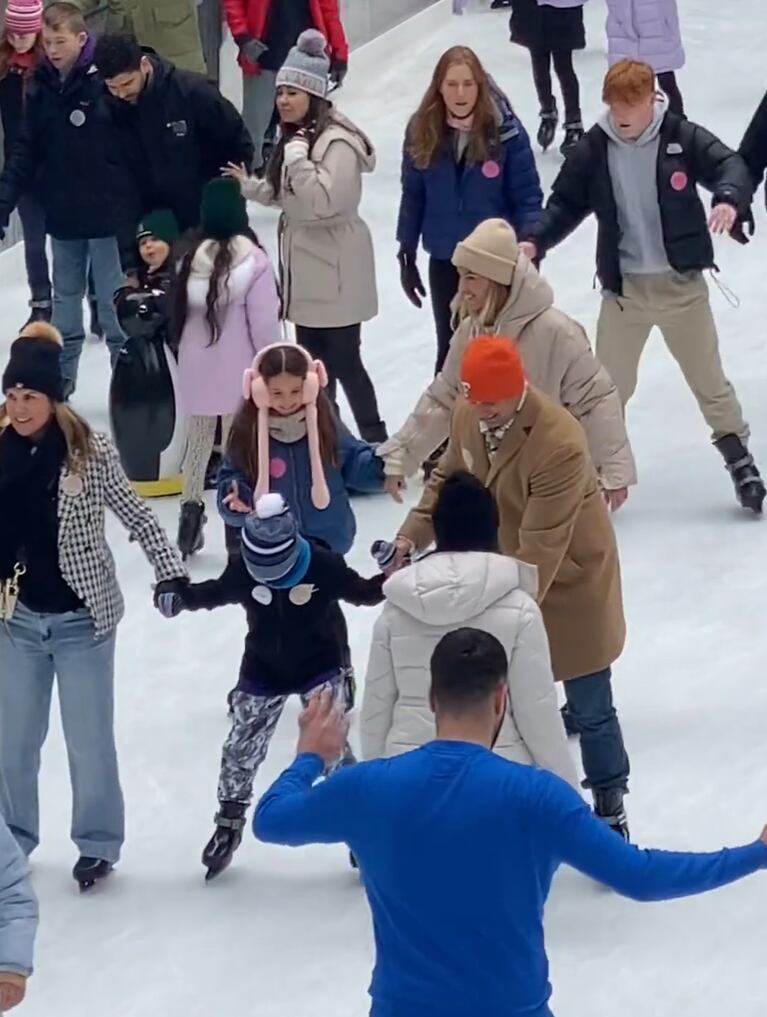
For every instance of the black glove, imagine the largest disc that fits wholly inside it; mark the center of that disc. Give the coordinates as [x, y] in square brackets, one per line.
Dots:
[744, 228]
[410, 278]
[169, 597]
[338, 71]
[251, 48]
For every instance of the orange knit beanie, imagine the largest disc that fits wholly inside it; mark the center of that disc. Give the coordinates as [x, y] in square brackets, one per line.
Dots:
[491, 370]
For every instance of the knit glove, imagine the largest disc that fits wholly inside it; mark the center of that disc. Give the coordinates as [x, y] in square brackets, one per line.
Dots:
[410, 278]
[338, 71]
[169, 597]
[297, 149]
[251, 48]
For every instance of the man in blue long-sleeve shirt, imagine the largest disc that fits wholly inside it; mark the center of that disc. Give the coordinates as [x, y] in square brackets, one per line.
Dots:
[454, 815]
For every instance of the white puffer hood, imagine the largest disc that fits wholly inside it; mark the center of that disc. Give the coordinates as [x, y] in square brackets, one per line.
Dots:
[452, 588]
[205, 255]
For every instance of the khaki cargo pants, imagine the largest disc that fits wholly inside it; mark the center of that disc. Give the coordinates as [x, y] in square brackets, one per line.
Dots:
[678, 305]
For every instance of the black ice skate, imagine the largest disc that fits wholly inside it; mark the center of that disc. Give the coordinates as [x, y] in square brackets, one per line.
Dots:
[749, 488]
[230, 822]
[573, 134]
[608, 805]
[88, 871]
[190, 528]
[548, 127]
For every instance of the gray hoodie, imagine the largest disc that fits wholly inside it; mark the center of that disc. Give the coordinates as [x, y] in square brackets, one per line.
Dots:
[633, 172]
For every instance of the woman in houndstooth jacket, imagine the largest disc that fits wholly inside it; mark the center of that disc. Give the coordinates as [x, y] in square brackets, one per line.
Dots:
[59, 599]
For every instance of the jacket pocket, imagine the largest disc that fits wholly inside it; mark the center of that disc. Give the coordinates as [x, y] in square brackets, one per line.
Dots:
[172, 15]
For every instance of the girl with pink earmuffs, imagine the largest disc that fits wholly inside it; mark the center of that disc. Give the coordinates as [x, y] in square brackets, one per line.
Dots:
[286, 438]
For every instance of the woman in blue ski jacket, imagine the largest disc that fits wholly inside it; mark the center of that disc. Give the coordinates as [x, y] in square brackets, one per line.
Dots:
[466, 158]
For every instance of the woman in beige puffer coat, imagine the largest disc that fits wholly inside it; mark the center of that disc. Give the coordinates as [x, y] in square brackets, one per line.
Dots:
[326, 253]
[501, 292]
[464, 584]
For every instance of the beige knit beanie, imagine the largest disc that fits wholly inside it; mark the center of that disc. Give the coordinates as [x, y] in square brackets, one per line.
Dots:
[490, 251]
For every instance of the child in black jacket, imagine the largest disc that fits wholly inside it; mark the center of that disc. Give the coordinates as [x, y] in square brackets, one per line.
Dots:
[295, 645]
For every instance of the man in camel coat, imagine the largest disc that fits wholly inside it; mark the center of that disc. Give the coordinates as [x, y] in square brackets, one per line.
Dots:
[533, 456]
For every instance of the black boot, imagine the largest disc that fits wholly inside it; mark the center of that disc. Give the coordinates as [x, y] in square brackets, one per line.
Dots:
[548, 127]
[190, 528]
[40, 310]
[88, 871]
[608, 805]
[573, 134]
[749, 488]
[97, 330]
[571, 728]
[230, 822]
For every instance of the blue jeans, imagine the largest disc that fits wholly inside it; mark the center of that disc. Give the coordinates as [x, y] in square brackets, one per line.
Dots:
[70, 282]
[34, 649]
[590, 701]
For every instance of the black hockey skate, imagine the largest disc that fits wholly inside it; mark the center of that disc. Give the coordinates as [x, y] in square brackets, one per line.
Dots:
[608, 805]
[230, 822]
[190, 528]
[573, 134]
[88, 871]
[749, 488]
[548, 127]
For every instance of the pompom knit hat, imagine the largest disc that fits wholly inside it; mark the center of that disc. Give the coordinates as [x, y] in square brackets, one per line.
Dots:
[23, 17]
[254, 387]
[35, 362]
[223, 210]
[307, 65]
[161, 223]
[490, 251]
[491, 370]
[271, 543]
[465, 517]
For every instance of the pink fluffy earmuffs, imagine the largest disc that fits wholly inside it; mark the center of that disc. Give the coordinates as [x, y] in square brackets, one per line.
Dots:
[254, 387]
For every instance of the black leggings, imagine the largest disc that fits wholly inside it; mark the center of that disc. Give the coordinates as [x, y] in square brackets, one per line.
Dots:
[568, 82]
[443, 286]
[667, 81]
[339, 350]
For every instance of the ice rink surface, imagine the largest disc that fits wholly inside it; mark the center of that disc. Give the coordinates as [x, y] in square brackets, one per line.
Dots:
[286, 933]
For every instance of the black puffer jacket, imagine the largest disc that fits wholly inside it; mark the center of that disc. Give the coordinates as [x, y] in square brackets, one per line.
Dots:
[753, 147]
[69, 151]
[179, 134]
[692, 153]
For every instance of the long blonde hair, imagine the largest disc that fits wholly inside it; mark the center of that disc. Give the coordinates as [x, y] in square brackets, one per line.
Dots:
[487, 316]
[77, 432]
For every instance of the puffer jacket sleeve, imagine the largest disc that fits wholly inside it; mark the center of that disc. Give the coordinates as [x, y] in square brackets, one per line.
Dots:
[412, 205]
[380, 693]
[533, 698]
[719, 169]
[590, 395]
[18, 907]
[569, 202]
[138, 518]
[260, 190]
[429, 424]
[753, 147]
[229, 474]
[329, 187]
[521, 182]
[360, 467]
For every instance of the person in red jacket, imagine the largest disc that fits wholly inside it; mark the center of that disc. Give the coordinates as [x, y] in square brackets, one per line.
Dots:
[264, 31]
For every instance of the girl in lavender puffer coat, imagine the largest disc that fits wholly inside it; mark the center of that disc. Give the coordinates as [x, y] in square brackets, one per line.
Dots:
[648, 30]
[227, 310]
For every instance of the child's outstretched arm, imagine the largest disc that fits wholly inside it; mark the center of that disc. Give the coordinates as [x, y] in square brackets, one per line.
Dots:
[361, 468]
[185, 596]
[235, 494]
[354, 589]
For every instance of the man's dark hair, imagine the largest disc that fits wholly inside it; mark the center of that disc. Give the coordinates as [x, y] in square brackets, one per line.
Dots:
[465, 517]
[467, 667]
[117, 54]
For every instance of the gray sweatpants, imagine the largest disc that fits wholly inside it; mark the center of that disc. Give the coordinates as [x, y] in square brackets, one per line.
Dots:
[253, 724]
[258, 91]
[678, 305]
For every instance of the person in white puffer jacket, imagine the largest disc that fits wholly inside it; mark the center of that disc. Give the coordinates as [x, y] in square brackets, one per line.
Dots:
[465, 582]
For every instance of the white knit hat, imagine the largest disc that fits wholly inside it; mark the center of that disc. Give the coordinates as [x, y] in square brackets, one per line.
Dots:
[307, 65]
[491, 251]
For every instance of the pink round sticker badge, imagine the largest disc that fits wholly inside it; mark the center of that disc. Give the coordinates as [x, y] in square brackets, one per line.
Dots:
[491, 169]
[277, 468]
[679, 180]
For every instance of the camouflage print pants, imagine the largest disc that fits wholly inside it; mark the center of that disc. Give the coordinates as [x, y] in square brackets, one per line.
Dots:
[253, 724]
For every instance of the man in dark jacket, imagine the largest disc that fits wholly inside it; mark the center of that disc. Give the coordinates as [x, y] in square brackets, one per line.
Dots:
[68, 150]
[753, 147]
[638, 171]
[178, 128]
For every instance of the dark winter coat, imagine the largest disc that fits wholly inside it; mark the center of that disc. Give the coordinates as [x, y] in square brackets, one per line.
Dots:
[11, 108]
[687, 153]
[753, 147]
[442, 204]
[179, 134]
[69, 148]
[555, 27]
[292, 640]
[358, 470]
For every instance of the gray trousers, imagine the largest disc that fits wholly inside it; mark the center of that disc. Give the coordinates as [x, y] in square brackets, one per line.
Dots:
[34, 649]
[258, 91]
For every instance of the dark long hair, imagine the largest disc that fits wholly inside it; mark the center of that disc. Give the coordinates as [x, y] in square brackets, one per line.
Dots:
[242, 447]
[219, 279]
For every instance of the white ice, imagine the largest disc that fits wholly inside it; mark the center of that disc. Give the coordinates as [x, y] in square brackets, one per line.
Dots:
[285, 933]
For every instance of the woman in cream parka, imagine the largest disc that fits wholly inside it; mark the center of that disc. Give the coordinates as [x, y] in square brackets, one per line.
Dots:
[464, 583]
